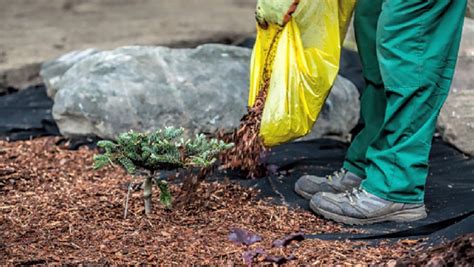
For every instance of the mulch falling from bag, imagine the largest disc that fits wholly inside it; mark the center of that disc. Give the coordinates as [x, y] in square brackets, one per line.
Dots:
[248, 153]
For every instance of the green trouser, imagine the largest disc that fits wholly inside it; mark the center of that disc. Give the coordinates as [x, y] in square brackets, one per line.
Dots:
[409, 50]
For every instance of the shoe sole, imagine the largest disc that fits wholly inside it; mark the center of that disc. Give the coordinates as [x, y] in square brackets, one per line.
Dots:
[302, 193]
[409, 215]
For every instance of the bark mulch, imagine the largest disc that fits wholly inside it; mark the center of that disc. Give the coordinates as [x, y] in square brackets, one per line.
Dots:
[54, 208]
[459, 252]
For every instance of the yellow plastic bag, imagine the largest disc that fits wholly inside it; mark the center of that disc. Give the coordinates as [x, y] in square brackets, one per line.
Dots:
[300, 61]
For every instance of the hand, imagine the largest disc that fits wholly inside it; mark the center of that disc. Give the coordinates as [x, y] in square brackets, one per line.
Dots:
[275, 11]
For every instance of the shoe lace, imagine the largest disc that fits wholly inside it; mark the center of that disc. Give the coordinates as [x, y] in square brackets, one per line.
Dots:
[336, 175]
[355, 194]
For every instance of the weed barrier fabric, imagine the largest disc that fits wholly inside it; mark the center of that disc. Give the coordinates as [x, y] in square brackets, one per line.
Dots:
[449, 190]
[27, 114]
[449, 195]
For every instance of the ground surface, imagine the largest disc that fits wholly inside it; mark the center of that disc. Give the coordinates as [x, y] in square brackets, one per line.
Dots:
[32, 31]
[56, 208]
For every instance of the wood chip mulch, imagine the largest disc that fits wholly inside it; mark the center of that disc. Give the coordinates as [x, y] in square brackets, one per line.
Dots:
[54, 208]
[459, 252]
[249, 151]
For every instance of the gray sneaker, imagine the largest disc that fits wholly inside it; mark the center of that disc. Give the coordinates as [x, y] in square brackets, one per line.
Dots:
[361, 207]
[338, 182]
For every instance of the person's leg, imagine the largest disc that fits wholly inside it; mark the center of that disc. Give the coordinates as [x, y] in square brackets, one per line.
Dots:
[373, 99]
[417, 48]
[373, 107]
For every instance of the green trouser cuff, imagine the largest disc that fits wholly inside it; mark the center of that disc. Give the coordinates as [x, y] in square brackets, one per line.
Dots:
[354, 169]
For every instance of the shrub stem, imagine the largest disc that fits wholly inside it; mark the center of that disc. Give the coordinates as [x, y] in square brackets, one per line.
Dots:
[147, 187]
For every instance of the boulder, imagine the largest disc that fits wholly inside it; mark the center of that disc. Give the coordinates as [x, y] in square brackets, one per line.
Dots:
[52, 71]
[470, 9]
[456, 120]
[467, 42]
[145, 88]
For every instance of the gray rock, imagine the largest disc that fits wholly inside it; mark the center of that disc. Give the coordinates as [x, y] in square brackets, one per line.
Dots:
[467, 42]
[145, 88]
[470, 9]
[52, 71]
[456, 120]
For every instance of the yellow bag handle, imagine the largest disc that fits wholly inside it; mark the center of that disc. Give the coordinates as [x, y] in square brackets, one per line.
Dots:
[275, 12]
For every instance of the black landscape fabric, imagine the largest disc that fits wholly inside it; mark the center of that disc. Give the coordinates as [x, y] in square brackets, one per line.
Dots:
[449, 193]
[27, 114]
[449, 189]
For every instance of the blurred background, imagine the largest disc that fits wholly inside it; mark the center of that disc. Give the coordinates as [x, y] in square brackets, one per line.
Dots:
[32, 31]
[36, 37]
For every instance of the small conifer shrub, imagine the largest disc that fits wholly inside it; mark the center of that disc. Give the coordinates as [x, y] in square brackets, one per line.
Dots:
[146, 154]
